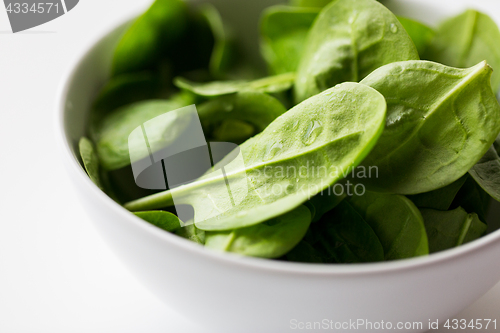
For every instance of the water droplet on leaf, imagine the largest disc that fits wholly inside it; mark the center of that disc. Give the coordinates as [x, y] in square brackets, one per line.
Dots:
[313, 131]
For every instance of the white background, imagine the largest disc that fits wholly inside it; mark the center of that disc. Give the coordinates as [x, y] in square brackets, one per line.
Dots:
[56, 274]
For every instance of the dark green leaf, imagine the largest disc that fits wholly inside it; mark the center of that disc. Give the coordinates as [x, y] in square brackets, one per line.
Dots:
[449, 229]
[396, 221]
[487, 171]
[143, 45]
[346, 237]
[440, 199]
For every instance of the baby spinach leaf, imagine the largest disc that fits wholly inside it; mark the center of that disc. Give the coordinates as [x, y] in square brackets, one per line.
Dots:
[396, 221]
[433, 137]
[161, 219]
[465, 40]
[284, 32]
[150, 36]
[324, 202]
[223, 51]
[347, 238]
[112, 133]
[440, 199]
[270, 239]
[473, 199]
[310, 3]
[272, 84]
[335, 129]
[123, 90]
[348, 41]
[305, 252]
[190, 232]
[237, 117]
[90, 161]
[487, 171]
[420, 34]
[447, 230]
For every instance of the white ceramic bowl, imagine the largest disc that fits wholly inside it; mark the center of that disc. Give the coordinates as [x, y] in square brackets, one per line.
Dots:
[227, 292]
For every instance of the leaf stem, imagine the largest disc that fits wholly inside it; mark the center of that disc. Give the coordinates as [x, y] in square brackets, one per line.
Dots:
[156, 201]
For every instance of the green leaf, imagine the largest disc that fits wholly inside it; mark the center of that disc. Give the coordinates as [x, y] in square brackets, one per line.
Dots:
[190, 232]
[420, 34]
[324, 202]
[396, 221]
[440, 122]
[453, 228]
[487, 171]
[123, 90]
[346, 237]
[305, 252]
[223, 52]
[473, 199]
[150, 36]
[440, 199]
[163, 220]
[272, 84]
[348, 41]
[270, 239]
[335, 129]
[284, 32]
[220, 117]
[310, 3]
[112, 133]
[90, 161]
[465, 40]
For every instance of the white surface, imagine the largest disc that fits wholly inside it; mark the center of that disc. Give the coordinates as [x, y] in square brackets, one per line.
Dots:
[56, 275]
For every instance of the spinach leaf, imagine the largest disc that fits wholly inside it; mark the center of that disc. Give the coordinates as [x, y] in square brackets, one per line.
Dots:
[420, 34]
[305, 252]
[335, 129]
[323, 202]
[433, 137]
[150, 36]
[112, 133]
[284, 32]
[223, 52]
[487, 171]
[270, 239]
[163, 220]
[90, 161]
[440, 199]
[446, 230]
[396, 221]
[123, 90]
[473, 199]
[465, 40]
[349, 40]
[272, 84]
[347, 238]
[310, 3]
[190, 232]
[235, 118]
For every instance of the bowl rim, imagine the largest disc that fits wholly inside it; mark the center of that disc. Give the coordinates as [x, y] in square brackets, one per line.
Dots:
[265, 265]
